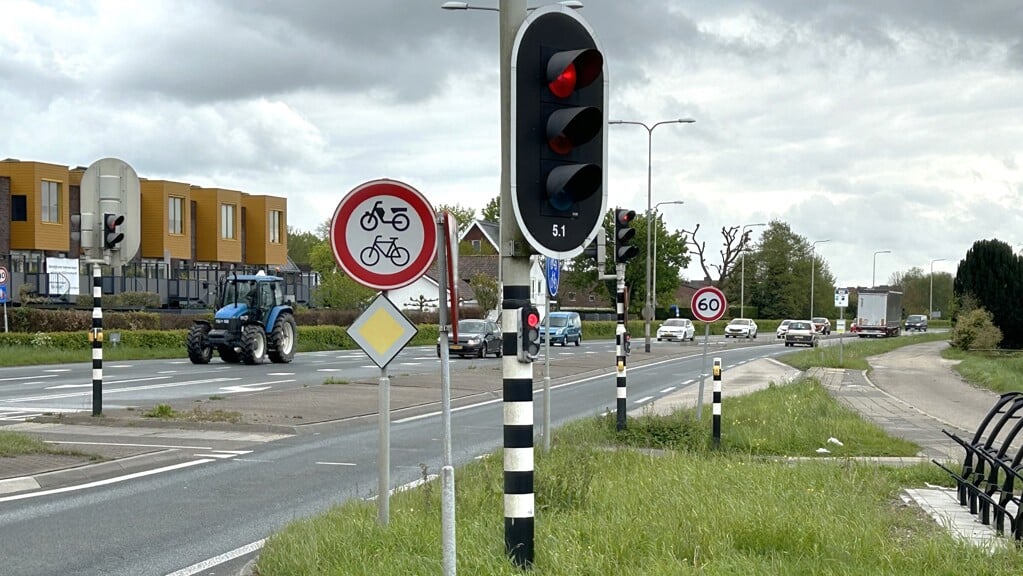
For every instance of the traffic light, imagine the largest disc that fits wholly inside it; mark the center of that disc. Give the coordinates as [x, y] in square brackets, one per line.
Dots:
[559, 96]
[111, 236]
[529, 334]
[624, 233]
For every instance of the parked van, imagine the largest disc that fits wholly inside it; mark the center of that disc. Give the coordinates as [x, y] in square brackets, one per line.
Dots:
[565, 327]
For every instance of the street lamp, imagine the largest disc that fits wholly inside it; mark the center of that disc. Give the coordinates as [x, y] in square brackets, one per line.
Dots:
[930, 300]
[655, 246]
[873, 273]
[813, 262]
[742, 276]
[648, 309]
[465, 6]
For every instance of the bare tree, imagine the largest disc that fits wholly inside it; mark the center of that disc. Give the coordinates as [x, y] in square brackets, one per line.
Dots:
[734, 244]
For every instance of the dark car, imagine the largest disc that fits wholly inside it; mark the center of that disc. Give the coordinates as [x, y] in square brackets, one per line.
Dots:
[475, 338]
[916, 322]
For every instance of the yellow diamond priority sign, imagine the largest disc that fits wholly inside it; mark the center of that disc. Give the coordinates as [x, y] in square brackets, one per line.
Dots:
[382, 331]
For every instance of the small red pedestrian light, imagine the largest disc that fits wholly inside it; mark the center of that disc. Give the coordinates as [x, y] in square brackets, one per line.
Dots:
[563, 84]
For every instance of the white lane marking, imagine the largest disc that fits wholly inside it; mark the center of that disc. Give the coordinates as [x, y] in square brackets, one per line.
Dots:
[57, 370]
[13, 378]
[219, 559]
[126, 389]
[167, 372]
[129, 444]
[328, 369]
[666, 390]
[409, 363]
[643, 399]
[62, 386]
[107, 481]
[223, 454]
[336, 463]
[242, 388]
[280, 374]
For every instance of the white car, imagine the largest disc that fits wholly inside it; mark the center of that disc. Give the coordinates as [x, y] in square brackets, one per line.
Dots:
[741, 327]
[680, 329]
[783, 328]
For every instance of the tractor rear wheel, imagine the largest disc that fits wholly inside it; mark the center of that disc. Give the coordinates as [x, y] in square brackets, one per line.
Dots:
[199, 349]
[282, 339]
[253, 344]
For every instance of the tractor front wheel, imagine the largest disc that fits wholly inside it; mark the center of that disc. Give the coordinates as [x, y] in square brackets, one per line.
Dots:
[282, 340]
[253, 344]
[199, 349]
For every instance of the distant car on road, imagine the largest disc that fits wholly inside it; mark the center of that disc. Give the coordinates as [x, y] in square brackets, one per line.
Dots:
[782, 329]
[743, 327]
[680, 329]
[916, 322]
[475, 338]
[802, 332]
[821, 324]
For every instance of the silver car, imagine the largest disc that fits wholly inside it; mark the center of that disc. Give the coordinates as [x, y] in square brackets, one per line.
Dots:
[802, 332]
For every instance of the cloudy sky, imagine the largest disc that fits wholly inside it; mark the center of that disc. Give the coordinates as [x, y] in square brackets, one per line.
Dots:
[877, 125]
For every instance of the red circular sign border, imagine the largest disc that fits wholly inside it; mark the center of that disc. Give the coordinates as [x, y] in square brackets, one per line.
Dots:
[698, 293]
[417, 267]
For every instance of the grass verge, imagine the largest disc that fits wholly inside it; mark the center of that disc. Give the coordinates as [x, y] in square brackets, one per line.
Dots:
[606, 507]
[854, 351]
[995, 370]
[18, 444]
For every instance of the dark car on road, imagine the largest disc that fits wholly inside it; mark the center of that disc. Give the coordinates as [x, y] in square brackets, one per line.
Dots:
[916, 322]
[475, 338]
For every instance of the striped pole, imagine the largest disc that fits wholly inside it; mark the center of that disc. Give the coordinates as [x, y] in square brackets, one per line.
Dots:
[519, 501]
[620, 335]
[717, 403]
[97, 340]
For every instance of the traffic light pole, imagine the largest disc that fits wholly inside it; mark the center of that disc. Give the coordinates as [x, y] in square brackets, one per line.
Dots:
[96, 337]
[519, 501]
[620, 340]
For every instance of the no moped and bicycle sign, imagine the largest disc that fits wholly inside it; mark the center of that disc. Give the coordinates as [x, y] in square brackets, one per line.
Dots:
[384, 234]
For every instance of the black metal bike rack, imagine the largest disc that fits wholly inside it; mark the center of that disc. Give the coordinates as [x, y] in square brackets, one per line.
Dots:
[987, 481]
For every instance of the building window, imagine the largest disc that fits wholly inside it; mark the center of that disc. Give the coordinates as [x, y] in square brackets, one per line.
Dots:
[50, 198]
[19, 209]
[175, 206]
[476, 245]
[571, 296]
[592, 298]
[276, 220]
[227, 221]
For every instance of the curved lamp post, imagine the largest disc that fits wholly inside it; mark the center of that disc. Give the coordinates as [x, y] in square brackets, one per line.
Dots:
[742, 276]
[648, 309]
[813, 262]
[873, 273]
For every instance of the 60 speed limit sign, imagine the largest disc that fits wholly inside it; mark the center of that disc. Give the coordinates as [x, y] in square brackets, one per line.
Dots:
[709, 304]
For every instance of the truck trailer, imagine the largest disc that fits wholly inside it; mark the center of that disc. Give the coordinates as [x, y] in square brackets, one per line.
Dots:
[878, 313]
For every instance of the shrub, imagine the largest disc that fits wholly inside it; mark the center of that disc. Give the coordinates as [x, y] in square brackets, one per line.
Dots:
[976, 331]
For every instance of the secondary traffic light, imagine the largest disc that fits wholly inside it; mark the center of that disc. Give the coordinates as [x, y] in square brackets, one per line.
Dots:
[559, 104]
[111, 236]
[529, 334]
[624, 233]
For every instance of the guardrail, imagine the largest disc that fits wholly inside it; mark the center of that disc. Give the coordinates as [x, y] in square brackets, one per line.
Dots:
[990, 482]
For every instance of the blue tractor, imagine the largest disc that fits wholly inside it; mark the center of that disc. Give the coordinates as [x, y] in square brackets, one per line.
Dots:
[253, 320]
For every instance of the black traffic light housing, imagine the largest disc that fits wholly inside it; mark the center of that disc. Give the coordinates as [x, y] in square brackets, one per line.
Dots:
[559, 115]
[624, 233]
[529, 334]
[111, 236]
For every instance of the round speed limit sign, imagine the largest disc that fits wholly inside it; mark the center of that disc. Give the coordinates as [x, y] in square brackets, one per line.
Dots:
[709, 304]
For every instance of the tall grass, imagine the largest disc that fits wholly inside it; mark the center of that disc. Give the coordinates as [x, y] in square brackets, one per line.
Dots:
[997, 371]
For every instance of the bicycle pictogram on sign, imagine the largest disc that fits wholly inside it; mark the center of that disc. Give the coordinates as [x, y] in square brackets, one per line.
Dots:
[398, 256]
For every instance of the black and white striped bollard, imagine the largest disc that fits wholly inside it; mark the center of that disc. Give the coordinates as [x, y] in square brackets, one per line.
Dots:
[716, 422]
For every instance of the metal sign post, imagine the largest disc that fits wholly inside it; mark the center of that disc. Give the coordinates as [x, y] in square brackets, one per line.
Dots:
[708, 305]
[553, 280]
[3, 293]
[841, 301]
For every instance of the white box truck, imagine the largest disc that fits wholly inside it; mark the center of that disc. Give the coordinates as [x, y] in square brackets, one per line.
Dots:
[878, 313]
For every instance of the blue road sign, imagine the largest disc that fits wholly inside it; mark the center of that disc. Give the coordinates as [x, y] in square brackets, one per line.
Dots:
[553, 275]
[3, 293]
